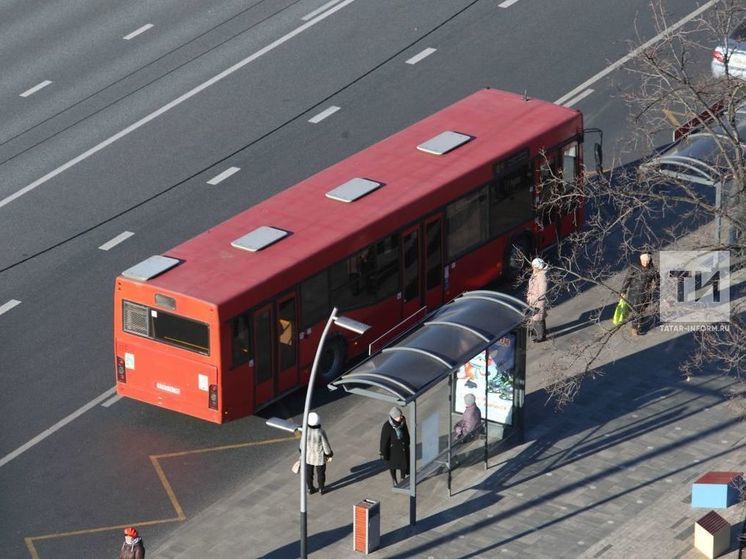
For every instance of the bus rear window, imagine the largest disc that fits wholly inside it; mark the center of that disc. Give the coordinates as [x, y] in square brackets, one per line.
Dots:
[166, 327]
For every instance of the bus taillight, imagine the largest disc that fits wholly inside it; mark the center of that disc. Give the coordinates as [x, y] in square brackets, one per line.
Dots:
[212, 398]
[121, 371]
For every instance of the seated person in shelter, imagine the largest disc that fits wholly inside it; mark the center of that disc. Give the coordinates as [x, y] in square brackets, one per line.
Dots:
[471, 419]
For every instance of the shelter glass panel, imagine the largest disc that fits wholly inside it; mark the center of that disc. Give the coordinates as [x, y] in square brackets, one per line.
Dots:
[431, 454]
[487, 402]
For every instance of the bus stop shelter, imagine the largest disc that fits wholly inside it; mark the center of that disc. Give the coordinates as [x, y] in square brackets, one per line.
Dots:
[473, 344]
[705, 157]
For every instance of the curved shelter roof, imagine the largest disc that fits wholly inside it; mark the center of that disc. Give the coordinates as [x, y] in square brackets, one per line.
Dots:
[443, 342]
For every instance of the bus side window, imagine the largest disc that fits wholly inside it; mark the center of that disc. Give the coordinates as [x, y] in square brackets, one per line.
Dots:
[552, 190]
[569, 164]
[570, 177]
[314, 300]
[511, 202]
[367, 276]
[387, 267]
[286, 333]
[241, 340]
[466, 220]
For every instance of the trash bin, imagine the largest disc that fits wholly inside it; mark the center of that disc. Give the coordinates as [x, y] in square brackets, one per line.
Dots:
[366, 521]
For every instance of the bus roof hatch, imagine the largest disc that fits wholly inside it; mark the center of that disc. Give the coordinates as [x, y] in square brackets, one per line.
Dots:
[444, 142]
[151, 267]
[259, 238]
[353, 189]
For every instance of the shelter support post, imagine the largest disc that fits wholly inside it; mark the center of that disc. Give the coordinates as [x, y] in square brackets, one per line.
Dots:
[450, 428]
[412, 411]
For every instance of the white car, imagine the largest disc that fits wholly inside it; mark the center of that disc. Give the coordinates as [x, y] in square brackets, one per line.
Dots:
[731, 55]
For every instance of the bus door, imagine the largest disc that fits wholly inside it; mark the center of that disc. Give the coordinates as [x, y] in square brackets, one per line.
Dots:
[422, 266]
[433, 264]
[547, 202]
[287, 343]
[265, 380]
[411, 294]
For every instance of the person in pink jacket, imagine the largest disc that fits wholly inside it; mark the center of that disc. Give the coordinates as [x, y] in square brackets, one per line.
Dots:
[536, 298]
[471, 420]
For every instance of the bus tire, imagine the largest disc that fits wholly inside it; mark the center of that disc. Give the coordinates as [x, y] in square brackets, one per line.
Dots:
[333, 359]
[516, 257]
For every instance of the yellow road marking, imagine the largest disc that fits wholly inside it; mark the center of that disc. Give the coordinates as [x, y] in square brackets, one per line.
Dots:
[672, 117]
[167, 486]
[155, 461]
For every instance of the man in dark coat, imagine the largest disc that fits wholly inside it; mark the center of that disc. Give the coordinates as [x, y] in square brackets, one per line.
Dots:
[638, 289]
[132, 548]
[395, 444]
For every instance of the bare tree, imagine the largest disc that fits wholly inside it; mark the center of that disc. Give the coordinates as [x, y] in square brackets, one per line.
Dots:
[654, 205]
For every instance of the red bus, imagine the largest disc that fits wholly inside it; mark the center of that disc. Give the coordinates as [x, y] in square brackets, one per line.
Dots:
[229, 321]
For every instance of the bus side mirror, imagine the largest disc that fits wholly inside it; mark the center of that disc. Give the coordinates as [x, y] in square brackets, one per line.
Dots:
[598, 152]
[598, 149]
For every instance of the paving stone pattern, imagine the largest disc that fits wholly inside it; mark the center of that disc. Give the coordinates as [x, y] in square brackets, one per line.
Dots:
[608, 477]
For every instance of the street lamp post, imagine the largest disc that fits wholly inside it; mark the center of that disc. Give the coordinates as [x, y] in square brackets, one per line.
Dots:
[347, 324]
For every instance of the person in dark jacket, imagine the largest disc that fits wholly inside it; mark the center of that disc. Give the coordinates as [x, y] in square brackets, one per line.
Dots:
[132, 548]
[395, 444]
[638, 289]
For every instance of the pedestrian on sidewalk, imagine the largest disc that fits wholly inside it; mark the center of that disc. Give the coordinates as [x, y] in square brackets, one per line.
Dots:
[638, 288]
[318, 453]
[536, 298]
[395, 444]
[471, 419]
[133, 547]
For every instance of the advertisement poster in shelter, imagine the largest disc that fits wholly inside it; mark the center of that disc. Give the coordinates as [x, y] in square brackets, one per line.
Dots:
[489, 376]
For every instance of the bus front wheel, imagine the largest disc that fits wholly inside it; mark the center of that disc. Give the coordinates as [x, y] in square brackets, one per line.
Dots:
[333, 358]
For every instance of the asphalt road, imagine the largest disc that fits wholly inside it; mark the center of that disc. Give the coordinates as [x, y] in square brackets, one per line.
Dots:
[145, 103]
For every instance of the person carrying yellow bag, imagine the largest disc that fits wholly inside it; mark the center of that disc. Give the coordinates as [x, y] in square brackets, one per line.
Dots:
[638, 289]
[621, 312]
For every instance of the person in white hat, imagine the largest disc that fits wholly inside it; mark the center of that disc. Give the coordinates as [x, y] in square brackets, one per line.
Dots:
[536, 296]
[318, 453]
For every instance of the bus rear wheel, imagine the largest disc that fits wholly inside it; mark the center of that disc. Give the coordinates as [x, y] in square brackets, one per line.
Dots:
[332, 360]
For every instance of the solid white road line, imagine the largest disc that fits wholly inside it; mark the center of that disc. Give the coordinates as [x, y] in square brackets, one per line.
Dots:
[176, 102]
[224, 175]
[578, 98]
[319, 10]
[116, 240]
[417, 57]
[323, 114]
[137, 32]
[9, 305]
[622, 61]
[507, 3]
[56, 427]
[111, 401]
[36, 88]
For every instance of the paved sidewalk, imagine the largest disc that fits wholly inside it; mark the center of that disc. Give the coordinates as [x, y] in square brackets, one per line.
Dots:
[608, 477]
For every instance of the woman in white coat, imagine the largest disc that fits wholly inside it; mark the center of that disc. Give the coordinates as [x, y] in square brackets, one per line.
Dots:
[536, 298]
[318, 453]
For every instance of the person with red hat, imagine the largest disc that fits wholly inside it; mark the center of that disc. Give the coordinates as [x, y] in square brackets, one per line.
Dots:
[132, 548]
